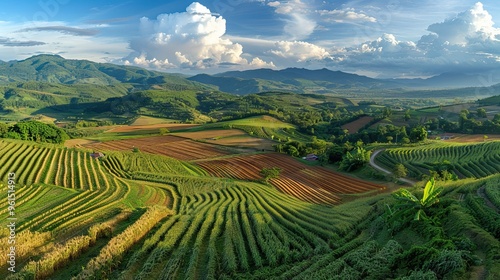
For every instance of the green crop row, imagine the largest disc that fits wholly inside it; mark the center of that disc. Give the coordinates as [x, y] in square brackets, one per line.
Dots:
[469, 161]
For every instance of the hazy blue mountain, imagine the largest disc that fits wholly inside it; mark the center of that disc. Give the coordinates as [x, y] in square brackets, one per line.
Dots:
[297, 80]
[453, 80]
[324, 81]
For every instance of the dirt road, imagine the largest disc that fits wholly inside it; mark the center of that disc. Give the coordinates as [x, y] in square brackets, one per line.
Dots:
[380, 168]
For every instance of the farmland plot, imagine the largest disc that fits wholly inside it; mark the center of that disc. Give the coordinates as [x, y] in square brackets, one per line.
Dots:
[465, 160]
[171, 146]
[312, 184]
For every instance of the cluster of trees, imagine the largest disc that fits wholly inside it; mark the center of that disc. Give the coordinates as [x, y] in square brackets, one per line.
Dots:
[355, 159]
[300, 149]
[89, 123]
[386, 133]
[270, 173]
[443, 170]
[34, 131]
[350, 157]
[468, 122]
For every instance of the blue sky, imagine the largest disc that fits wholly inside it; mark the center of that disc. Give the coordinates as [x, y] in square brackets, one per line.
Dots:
[389, 38]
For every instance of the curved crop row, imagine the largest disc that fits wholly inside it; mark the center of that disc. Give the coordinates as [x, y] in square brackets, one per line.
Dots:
[476, 160]
[235, 229]
[312, 184]
[171, 146]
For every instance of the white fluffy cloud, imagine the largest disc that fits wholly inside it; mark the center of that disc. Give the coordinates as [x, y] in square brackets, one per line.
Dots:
[348, 15]
[467, 42]
[388, 43]
[299, 51]
[472, 25]
[191, 39]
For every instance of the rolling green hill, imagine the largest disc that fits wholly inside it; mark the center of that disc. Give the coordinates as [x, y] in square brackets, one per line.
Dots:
[205, 106]
[56, 69]
[42, 81]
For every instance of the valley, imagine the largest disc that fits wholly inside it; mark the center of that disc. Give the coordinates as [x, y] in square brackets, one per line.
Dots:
[127, 173]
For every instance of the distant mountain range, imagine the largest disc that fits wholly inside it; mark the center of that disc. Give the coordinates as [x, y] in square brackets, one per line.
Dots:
[325, 81]
[291, 79]
[57, 70]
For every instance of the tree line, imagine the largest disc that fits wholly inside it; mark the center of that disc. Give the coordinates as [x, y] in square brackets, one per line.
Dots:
[34, 131]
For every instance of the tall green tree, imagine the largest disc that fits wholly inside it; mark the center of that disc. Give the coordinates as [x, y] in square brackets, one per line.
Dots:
[355, 159]
[400, 171]
[270, 173]
[418, 134]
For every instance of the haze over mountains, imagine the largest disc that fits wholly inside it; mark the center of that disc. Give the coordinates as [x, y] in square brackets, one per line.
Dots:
[56, 69]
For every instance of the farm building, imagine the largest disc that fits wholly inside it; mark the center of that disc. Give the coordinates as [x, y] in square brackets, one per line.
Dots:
[97, 155]
[446, 137]
[311, 157]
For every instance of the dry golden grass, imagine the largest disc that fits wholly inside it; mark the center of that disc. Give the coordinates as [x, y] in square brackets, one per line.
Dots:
[77, 143]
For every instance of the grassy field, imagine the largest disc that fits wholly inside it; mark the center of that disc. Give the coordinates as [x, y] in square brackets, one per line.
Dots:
[262, 121]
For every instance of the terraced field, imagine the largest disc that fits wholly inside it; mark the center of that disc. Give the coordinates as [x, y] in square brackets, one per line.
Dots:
[312, 184]
[467, 160]
[209, 226]
[238, 228]
[142, 216]
[171, 146]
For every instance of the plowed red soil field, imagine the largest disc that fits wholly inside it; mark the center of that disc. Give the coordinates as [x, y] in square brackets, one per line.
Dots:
[172, 146]
[356, 125]
[134, 128]
[309, 183]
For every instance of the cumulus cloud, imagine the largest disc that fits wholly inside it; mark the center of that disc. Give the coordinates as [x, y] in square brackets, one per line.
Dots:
[348, 15]
[474, 24]
[388, 43]
[192, 39]
[259, 63]
[298, 24]
[63, 29]
[466, 42]
[299, 51]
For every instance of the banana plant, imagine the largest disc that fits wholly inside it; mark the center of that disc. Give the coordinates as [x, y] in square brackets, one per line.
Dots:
[410, 204]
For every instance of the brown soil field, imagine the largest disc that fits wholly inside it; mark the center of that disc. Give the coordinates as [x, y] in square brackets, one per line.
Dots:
[245, 142]
[356, 125]
[209, 134]
[470, 138]
[229, 137]
[134, 128]
[167, 145]
[309, 183]
[144, 120]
